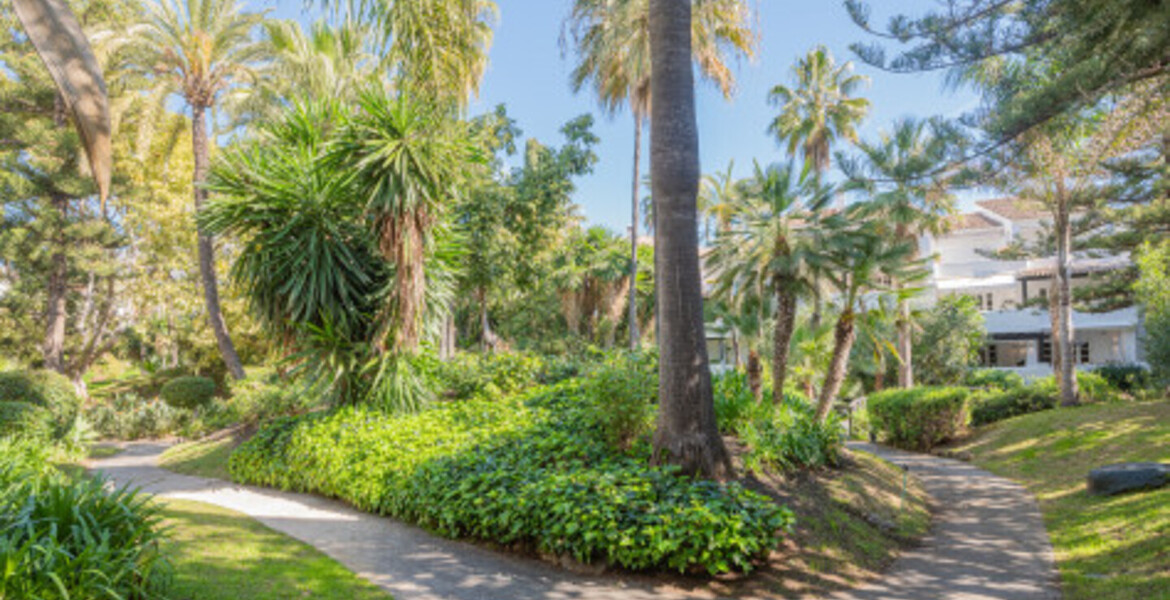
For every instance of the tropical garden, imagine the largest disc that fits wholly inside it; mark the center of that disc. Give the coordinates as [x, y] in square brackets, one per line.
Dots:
[296, 251]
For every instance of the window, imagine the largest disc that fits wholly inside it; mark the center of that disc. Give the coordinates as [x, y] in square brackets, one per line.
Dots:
[1043, 293]
[990, 355]
[1046, 350]
[1083, 353]
[990, 302]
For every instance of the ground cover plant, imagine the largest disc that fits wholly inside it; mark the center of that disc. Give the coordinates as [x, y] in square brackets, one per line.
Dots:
[1107, 548]
[535, 470]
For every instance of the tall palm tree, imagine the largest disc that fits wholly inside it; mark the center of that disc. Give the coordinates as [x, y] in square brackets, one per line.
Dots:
[860, 260]
[686, 434]
[820, 109]
[901, 175]
[437, 49]
[612, 40]
[768, 251]
[200, 50]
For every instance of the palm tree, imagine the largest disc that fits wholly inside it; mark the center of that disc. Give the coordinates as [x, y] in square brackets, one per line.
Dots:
[57, 36]
[437, 49]
[860, 261]
[820, 110]
[901, 174]
[686, 434]
[202, 49]
[767, 250]
[612, 39]
[404, 159]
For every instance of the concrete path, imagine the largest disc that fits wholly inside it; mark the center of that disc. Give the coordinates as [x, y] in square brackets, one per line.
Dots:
[989, 542]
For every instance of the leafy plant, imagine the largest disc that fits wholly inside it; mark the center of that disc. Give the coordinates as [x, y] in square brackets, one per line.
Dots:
[1125, 377]
[993, 406]
[792, 438]
[622, 393]
[130, 417]
[25, 420]
[919, 418]
[534, 470]
[63, 538]
[188, 393]
[46, 389]
[993, 378]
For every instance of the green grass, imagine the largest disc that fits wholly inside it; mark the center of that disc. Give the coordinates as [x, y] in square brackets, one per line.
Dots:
[219, 554]
[1112, 548]
[202, 458]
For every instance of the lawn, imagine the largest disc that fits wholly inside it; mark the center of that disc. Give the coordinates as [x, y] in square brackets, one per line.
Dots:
[207, 457]
[1113, 548]
[219, 554]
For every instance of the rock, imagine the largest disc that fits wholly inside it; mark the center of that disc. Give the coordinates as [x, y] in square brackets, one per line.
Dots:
[1124, 477]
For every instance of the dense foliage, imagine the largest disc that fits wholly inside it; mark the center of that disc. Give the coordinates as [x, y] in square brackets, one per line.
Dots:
[45, 389]
[993, 379]
[190, 393]
[919, 418]
[63, 538]
[535, 470]
[1125, 377]
[1010, 402]
[947, 340]
[24, 420]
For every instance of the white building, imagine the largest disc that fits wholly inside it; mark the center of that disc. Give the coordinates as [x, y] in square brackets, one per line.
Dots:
[1020, 335]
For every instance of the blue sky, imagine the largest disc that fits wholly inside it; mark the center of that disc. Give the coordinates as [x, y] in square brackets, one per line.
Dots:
[529, 73]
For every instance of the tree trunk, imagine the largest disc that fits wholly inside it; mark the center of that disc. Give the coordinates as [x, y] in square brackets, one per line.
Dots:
[782, 339]
[686, 434]
[1069, 395]
[55, 321]
[202, 150]
[633, 318]
[843, 336]
[488, 337]
[755, 372]
[1055, 350]
[905, 335]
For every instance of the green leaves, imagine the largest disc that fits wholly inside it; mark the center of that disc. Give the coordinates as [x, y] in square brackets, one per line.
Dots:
[534, 470]
[919, 418]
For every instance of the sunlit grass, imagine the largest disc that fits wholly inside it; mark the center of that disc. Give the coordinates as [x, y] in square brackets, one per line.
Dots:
[1107, 548]
[219, 554]
[201, 458]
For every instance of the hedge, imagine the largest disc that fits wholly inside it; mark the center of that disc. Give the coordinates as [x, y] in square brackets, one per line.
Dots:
[190, 393]
[47, 389]
[533, 471]
[919, 418]
[25, 421]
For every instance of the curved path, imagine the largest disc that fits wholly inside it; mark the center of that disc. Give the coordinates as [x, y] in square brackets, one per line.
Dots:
[988, 542]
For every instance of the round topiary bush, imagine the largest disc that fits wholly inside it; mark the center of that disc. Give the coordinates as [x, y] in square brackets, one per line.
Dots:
[47, 389]
[22, 420]
[188, 392]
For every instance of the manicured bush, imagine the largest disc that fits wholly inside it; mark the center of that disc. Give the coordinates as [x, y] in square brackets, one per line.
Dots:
[993, 406]
[534, 471]
[993, 379]
[62, 538]
[26, 421]
[919, 418]
[1125, 377]
[46, 389]
[189, 393]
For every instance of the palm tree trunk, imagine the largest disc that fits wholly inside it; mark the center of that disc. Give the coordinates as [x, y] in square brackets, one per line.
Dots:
[782, 339]
[755, 372]
[56, 315]
[843, 336]
[202, 151]
[1068, 378]
[633, 318]
[686, 434]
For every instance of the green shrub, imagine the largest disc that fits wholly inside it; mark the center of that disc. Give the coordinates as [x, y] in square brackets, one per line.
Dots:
[534, 470]
[993, 379]
[46, 389]
[622, 393]
[791, 438]
[190, 393]
[919, 418]
[1095, 388]
[735, 406]
[24, 420]
[62, 538]
[129, 417]
[470, 375]
[995, 406]
[1125, 377]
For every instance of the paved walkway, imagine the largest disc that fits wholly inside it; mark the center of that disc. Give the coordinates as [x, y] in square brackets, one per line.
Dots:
[989, 542]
